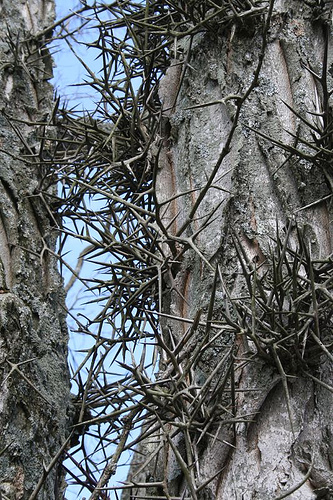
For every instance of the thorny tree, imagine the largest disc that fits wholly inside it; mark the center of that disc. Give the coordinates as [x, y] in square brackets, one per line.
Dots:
[204, 199]
[34, 387]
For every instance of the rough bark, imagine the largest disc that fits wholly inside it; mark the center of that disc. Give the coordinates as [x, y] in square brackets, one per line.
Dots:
[263, 457]
[34, 394]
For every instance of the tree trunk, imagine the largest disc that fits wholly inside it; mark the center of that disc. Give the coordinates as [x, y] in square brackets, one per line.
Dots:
[273, 437]
[34, 395]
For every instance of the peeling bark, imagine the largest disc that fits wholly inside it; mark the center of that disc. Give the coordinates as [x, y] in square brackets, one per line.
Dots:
[34, 394]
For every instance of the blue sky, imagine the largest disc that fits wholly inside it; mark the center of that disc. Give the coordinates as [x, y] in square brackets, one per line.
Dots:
[67, 69]
[68, 72]
[63, 6]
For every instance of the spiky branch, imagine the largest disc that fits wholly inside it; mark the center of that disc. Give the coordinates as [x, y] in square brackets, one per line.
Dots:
[107, 163]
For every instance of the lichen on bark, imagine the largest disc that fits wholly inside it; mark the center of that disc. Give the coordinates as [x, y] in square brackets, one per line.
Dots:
[34, 394]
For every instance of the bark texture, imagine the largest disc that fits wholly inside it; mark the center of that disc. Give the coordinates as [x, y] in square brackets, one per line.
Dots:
[34, 393]
[263, 458]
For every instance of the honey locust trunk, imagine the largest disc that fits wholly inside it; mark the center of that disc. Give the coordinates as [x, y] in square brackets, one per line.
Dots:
[34, 393]
[247, 149]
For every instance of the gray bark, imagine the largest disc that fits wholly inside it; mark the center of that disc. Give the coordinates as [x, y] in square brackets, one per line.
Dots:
[264, 457]
[34, 393]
